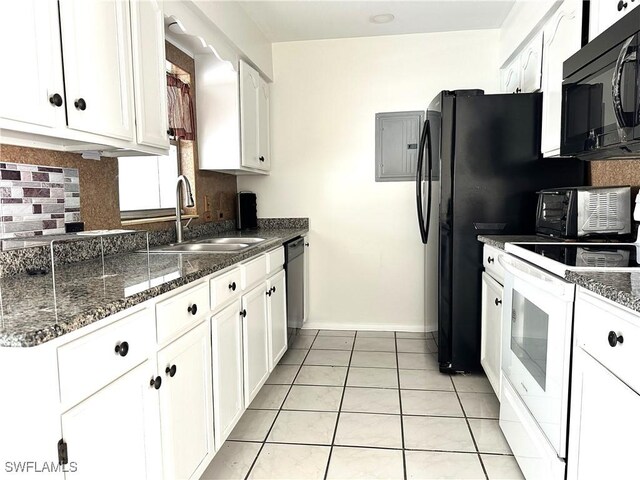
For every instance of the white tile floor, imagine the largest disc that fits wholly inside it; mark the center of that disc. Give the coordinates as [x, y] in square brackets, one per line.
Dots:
[367, 405]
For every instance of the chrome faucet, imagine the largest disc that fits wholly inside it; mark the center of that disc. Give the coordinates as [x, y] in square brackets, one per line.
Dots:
[188, 203]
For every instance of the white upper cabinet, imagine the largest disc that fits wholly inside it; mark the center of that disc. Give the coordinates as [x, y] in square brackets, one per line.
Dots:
[96, 43]
[30, 36]
[233, 117]
[562, 36]
[510, 77]
[249, 96]
[79, 63]
[264, 145]
[531, 65]
[149, 77]
[604, 13]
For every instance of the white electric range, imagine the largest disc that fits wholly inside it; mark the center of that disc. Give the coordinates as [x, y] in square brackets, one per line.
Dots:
[536, 344]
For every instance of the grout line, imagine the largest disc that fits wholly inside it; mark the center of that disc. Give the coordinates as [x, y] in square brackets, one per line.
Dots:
[473, 438]
[404, 456]
[344, 389]
[275, 419]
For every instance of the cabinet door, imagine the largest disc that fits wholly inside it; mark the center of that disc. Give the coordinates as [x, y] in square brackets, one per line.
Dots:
[97, 66]
[491, 333]
[116, 430]
[605, 426]
[30, 36]
[149, 77]
[604, 13]
[255, 341]
[186, 407]
[510, 77]
[264, 146]
[277, 315]
[228, 402]
[561, 40]
[249, 90]
[307, 278]
[531, 65]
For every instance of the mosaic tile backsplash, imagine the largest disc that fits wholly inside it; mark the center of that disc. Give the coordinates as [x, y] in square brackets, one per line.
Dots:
[37, 200]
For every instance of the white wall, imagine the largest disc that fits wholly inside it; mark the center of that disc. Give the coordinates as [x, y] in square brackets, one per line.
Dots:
[366, 256]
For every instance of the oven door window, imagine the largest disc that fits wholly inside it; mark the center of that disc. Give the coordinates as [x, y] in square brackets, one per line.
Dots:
[599, 102]
[529, 337]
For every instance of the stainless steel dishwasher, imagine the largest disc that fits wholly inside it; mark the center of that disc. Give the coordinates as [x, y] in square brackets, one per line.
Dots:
[294, 266]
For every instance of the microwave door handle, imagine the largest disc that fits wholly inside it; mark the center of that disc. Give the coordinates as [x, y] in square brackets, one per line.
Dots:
[616, 85]
[423, 139]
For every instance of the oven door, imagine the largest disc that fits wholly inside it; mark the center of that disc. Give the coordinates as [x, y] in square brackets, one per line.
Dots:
[600, 104]
[536, 346]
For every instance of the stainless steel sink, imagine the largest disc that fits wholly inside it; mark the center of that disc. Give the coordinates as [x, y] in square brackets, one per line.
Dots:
[232, 240]
[200, 248]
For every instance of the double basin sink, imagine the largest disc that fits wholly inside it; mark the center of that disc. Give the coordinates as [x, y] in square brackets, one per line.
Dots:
[211, 245]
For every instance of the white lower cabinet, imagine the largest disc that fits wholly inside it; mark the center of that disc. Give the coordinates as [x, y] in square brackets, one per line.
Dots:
[255, 343]
[605, 425]
[186, 407]
[491, 332]
[116, 430]
[228, 401]
[277, 317]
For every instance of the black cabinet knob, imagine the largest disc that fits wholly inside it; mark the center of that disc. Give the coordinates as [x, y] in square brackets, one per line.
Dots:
[243, 313]
[232, 286]
[261, 159]
[497, 302]
[55, 100]
[156, 383]
[490, 260]
[518, 90]
[192, 309]
[80, 104]
[171, 371]
[269, 292]
[306, 244]
[621, 5]
[273, 289]
[615, 339]
[122, 349]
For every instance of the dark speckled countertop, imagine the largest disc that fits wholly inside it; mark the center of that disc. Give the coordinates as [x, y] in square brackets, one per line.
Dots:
[36, 309]
[622, 288]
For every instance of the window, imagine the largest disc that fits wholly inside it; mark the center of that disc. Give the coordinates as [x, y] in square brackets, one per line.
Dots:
[147, 185]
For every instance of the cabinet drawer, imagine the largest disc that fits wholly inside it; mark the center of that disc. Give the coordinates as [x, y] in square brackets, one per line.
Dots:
[181, 311]
[490, 256]
[253, 271]
[91, 362]
[594, 322]
[275, 260]
[225, 287]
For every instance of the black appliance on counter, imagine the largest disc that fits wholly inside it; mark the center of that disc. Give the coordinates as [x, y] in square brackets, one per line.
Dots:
[247, 213]
[294, 268]
[488, 151]
[600, 94]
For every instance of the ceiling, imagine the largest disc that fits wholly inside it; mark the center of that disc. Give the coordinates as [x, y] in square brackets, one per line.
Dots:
[295, 20]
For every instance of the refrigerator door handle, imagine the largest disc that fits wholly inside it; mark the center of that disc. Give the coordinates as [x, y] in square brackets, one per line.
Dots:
[423, 139]
[429, 168]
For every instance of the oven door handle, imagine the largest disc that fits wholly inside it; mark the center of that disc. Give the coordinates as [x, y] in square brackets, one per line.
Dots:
[548, 284]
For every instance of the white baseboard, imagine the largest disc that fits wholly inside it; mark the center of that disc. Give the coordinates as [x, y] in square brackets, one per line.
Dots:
[376, 327]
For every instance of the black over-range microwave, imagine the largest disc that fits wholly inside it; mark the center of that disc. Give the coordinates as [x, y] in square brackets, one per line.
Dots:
[600, 95]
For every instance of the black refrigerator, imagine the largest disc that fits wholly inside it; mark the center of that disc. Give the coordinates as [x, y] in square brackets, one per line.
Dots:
[486, 151]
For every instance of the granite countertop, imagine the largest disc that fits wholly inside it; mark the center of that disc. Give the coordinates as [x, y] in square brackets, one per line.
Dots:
[36, 309]
[498, 241]
[622, 288]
